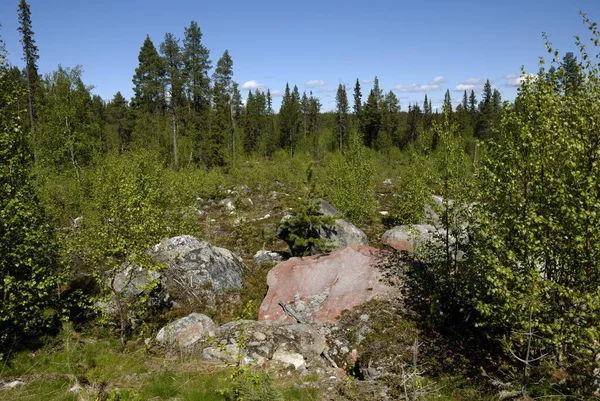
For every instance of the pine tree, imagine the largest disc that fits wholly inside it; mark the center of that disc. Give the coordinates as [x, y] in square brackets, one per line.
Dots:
[342, 121]
[30, 56]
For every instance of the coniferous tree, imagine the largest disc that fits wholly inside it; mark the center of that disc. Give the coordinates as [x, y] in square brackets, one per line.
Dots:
[30, 56]
[196, 64]
[357, 108]
[486, 113]
[570, 73]
[271, 132]
[472, 104]
[389, 122]
[414, 124]
[223, 126]
[289, 119]
[447, 107]
[305, 110]
[117, 113]
[372, 115]
[148, 90]
[342, 120]
[173, 62]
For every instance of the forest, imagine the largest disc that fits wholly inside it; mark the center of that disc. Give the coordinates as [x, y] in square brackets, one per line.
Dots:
[504, 305]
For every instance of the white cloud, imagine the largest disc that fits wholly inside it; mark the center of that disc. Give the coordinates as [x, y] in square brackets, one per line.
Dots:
[314, 83]
[513, 80]
[467, 87]
[437, 80]
[366, 81]
[474, 81]
[417, 88]
[252, 85]
[328, 90]
[277, 93]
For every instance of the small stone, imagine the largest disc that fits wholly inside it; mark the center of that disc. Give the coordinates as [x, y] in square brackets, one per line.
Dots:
[14, 383]
[259, 336]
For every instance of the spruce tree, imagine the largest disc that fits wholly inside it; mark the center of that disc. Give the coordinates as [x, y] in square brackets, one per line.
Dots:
[342, 121]
[30, 56]
[148, 90]
[223, 124]
[372, 115]
[357, 108]
[196, 64]
[173, 62]
[486, 113]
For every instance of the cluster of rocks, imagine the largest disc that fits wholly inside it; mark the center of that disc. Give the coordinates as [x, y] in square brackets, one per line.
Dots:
[297, 327]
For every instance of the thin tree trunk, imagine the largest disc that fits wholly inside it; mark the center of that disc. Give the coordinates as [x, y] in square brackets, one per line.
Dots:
[174, 130]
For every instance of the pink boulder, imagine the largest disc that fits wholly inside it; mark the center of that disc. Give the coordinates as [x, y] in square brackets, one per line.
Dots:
[318, 288]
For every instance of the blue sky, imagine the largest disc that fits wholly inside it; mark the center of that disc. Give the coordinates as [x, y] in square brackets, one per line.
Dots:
[413, 47]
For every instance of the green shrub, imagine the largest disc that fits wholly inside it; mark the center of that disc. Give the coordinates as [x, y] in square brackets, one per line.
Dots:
[350, 182]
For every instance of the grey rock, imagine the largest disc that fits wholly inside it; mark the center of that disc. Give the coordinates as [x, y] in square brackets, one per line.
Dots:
[266, 257]
[194, 265]
[227, 204]
[187, 331]
[132, 280]
[285, 344]
[343, 233]
[408, 238]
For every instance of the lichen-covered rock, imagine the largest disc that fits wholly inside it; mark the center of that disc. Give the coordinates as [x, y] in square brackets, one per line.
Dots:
[132, 281]
[318, 288]
[267, 257]
[343, 233]
[187, 331]
[194, 264]
[408, 238]
[280, 344]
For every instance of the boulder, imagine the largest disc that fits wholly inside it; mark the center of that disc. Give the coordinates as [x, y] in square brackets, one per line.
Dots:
[408, 238]
[283, 344]
[194, 266]
[341, 234]
[267, 257]
[132, 281]
[187, 331]
[318, 288]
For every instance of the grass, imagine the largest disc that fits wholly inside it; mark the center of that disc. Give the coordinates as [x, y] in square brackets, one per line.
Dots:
[104, 370]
